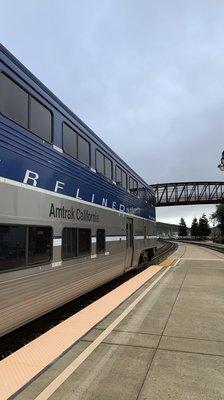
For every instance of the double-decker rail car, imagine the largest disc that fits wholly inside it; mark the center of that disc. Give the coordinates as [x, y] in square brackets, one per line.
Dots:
[73, 215]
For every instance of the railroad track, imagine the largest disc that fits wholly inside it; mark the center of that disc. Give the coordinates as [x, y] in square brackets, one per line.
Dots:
[25, 334]
[164, 251]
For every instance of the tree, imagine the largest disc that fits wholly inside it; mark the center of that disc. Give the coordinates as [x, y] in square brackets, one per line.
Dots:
[203, 227]
[218, 216]
[182, 228]
[194, 228]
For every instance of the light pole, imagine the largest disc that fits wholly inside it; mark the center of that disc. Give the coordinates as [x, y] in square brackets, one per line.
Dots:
[221, 165]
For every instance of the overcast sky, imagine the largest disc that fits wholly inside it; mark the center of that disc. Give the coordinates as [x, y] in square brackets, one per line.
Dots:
[146, 76]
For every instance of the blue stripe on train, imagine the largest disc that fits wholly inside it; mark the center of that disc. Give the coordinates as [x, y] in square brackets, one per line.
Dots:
[21, 152]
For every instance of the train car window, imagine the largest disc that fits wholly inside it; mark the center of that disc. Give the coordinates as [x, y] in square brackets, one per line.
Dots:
[100, 241]
[13, 101]
[69, 243]
[84, 242]
[103, 165]
[12, 246]
[121, 177]
[83, 151]
[69, 141]
[40, 120]
[108, 168]
[99, 162]
[124, 180]
[39, 244]
[133, 186]
[118, 176]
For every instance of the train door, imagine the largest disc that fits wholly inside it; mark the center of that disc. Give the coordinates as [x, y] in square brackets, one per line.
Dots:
[129, 243]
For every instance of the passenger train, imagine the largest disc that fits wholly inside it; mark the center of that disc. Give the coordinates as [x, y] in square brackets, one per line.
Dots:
[73, 215]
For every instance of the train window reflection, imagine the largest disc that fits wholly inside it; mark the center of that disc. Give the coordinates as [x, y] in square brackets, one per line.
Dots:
[100, 241]
[84, 242]
[124, 180]
[69, 141]
[75, 145]
[39, 249]
[99, 162]
[103, 165]
[133, 186]
[121, 177]
[69, 243]
[83, 151]
[118, 176]
[75, 242]
[12, 246]
[13, 101]
[40, 120]
[108, 168]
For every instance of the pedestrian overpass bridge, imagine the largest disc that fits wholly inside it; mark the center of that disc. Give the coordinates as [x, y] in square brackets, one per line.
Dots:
[186, 193]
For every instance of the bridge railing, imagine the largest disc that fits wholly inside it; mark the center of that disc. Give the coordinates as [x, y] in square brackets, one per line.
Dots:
[185, 193]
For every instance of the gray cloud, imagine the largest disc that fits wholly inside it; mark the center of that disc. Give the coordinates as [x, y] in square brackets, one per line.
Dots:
[147, 76]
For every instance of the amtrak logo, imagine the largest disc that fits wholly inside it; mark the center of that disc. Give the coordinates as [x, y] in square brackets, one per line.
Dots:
[71, 213]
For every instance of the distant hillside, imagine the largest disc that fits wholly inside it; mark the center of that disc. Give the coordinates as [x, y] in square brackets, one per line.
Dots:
[164, 229]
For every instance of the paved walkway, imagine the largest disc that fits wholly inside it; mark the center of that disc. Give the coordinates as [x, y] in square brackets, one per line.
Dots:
[170, 346]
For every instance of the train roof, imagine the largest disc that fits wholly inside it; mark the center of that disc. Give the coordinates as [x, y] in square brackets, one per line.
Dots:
[73, 115]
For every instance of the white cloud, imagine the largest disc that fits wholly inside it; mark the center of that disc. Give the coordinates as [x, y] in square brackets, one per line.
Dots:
[146, 76]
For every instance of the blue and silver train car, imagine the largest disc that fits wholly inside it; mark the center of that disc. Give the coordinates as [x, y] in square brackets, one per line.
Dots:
[73, 215]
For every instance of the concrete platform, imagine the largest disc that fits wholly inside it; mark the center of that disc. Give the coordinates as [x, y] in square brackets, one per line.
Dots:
[169, 346]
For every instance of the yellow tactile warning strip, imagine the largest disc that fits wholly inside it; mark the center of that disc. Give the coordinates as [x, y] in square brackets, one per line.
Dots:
[22, 366]
[203, 259]
[167, 262]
